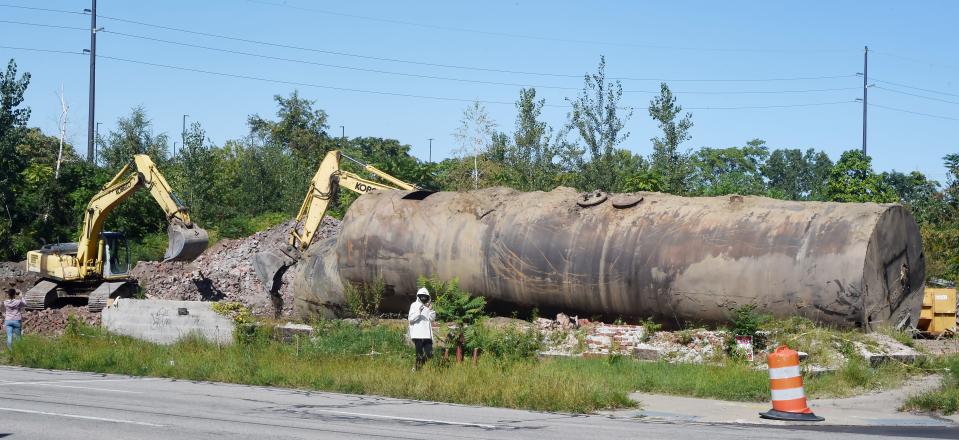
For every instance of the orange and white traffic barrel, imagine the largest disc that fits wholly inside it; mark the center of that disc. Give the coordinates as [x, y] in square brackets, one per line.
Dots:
[785, 383]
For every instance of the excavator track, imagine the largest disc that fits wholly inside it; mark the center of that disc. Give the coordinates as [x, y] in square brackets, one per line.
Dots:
[101, 295]
[38, 297]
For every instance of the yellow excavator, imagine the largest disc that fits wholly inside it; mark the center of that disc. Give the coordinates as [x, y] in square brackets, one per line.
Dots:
[329, 178]
[96, 267]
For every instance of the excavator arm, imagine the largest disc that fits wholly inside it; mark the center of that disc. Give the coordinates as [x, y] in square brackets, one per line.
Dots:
[187, 240]
[329, 178]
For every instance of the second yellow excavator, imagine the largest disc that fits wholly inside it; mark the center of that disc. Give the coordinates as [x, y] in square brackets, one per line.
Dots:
[96, 267]
[329, 178]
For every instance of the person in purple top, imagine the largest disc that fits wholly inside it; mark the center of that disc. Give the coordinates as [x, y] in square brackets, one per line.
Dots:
[13, 316]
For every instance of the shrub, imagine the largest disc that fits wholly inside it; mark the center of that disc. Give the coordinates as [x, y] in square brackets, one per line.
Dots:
[509, 343]
[455, 306]
[364, 299]
[746, 321]
[246, 330]
[650, 328]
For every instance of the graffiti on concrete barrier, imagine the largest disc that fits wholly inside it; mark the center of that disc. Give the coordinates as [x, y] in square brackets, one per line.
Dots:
[161, 318]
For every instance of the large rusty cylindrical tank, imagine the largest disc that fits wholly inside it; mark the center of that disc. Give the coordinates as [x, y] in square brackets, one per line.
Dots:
[635, 255]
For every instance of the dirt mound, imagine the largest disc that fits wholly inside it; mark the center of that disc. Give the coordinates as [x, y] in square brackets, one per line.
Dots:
[13, 274]
[225, 272]
[51, 322]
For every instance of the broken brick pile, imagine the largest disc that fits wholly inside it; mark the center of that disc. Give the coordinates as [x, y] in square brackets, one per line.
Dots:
[14, 274]
[52, 322]
[571, 336]
[224, 272]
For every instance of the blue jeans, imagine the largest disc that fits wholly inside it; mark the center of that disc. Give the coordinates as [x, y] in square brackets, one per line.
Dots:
[13, 328]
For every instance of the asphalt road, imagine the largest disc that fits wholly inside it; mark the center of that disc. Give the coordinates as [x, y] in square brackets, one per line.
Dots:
[41, 404]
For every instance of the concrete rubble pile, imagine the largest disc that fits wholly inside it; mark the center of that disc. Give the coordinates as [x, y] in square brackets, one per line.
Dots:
[45, 322]
[600, 339]
[581, 337]
[14, 274]
[225, 272]
[52, 322]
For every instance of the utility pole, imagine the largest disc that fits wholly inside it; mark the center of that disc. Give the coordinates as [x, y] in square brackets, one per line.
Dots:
[343, 132]
[93, 79]
[431, 150]
[865, 91]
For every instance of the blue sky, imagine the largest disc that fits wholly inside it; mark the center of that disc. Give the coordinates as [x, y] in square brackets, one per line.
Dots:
[696, 46]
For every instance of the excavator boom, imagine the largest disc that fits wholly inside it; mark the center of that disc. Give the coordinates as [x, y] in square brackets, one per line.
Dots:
[329, 178]
[186, 240]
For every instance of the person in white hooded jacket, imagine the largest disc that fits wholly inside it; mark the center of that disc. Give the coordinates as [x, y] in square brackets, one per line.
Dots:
[421, 319]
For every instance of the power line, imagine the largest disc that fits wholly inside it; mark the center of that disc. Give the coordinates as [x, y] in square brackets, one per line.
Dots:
[304, 84]
[918, 61]
[914, 112]
[535, 37]
[454, 66]
[431, 64]
[335, 66]
[753, 107]
[34, 49]
[378, 92]
[23, 23]
[446, 78]
[406, 95]
[916, 95]
[915, 88]
[33, 8]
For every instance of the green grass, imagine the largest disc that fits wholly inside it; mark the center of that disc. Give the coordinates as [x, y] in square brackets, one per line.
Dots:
[945, 399]
[338, 359]
[857, 377]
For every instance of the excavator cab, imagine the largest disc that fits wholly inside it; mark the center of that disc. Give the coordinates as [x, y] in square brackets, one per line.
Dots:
[116, 253]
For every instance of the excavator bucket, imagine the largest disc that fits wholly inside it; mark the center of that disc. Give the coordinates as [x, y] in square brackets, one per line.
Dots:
[186, 243]
[270, 265]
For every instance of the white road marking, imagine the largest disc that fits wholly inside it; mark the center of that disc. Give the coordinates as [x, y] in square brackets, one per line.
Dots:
[40, 382]
[410, 419]
[109, 390]
[76, 416]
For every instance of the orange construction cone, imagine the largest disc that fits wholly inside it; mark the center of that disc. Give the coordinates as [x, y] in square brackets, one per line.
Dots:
[785, 380]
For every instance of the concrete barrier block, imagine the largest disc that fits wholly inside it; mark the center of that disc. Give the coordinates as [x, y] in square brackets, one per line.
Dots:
[165, 322]
[286, 332]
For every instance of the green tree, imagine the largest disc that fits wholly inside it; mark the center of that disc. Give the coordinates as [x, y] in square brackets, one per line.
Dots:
[13, 121]
[299, 128]
[600, 123]
[853, 180]
[531, 160]
[289, 150]
[794, 175]
[734, 170]
[669, 165]
[139, 215]
[197, 168]
[133, 135]
[475, 165]
[919, 194]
